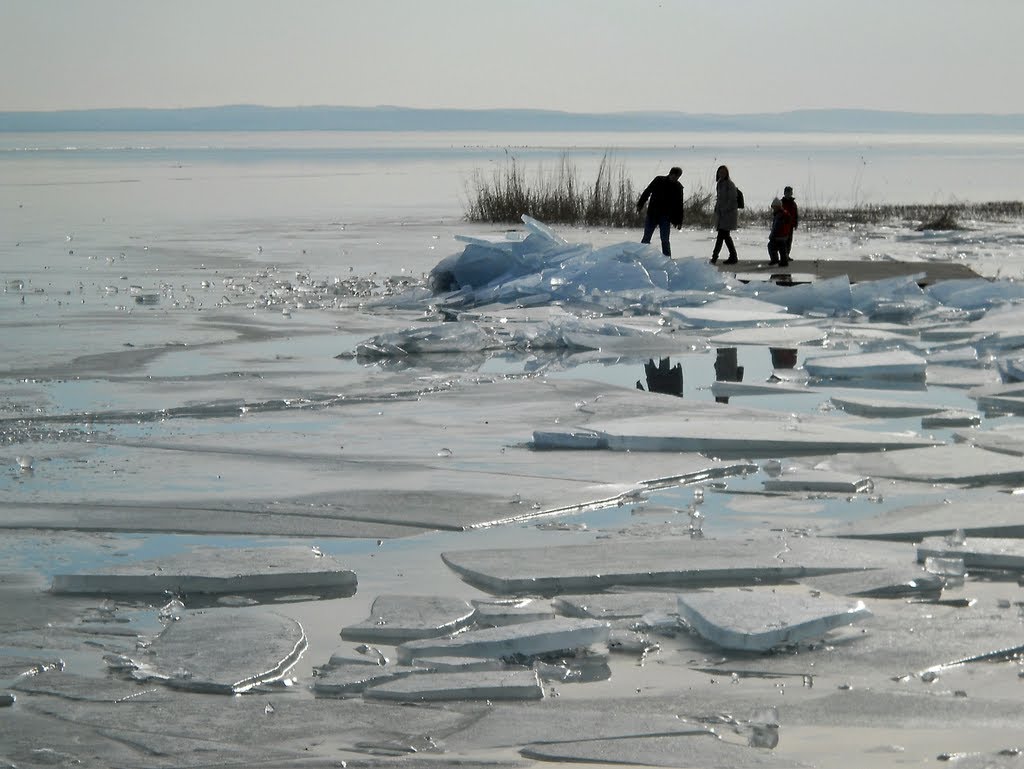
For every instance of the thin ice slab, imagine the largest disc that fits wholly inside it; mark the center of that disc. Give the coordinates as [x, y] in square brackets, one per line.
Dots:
[354, 679]
[875, 407]
[696, 747]
[736, 389]
[224, 651]
[951, 418]
[616, 606]
[976, 552]
[664, 562]
[893, 365]
[763, 618]
[725, 434]
[895, 582]
[958, 464]
[524, 639]
[815, 481]
[723, 315]
[476, 685]
[217, 571]
[983, 515]
[397, 618]
[510, 611]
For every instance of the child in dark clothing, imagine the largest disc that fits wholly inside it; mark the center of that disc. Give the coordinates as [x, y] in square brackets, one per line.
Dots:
[781, 232]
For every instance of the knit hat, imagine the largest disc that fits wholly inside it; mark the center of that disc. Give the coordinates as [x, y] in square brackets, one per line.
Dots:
[776, 203]
[788, 192]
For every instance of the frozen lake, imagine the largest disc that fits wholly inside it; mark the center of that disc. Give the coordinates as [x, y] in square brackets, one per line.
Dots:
[186, 322]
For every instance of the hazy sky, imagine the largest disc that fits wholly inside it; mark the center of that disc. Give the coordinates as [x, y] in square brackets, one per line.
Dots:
[729, 56]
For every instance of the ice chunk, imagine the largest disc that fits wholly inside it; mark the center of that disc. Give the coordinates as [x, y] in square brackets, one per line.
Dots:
[951, 418]
[723, 314]
[733, 389]
[841, 483]
[832, 297]
[475, 685]
[876, 407]
[524, 639]
[458, 336]
[615, 606]
[397, 618]
[893, 582]
[228, 651]
[893, 365]
[941, 464]
[498, 612]
[984, 515]
[350, 680]
[975, 293]
[664, 562]
[715, 434]
[760, 619]
[217, 571]
[976, 552]
[699, 745]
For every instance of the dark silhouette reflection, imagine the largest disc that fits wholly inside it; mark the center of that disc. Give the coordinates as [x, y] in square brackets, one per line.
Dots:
[783, 357]
[663, 378]
[726, 369]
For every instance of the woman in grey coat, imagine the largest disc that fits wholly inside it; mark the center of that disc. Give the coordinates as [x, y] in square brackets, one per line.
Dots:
[726, 215]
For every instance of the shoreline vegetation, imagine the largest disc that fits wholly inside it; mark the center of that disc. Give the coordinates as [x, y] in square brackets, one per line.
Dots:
[559, 196]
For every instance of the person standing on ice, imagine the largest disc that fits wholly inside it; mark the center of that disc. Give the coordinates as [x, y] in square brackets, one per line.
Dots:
[665, 208]
[726, 216]
[790, 207]
[780, 235]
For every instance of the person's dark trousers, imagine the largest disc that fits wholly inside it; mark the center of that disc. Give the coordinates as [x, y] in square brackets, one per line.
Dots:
[786, 247]
[724, 237]
[662, 224]
[777, 251]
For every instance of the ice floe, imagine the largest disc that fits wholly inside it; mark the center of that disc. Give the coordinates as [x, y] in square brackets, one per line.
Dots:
[397, 618]
[763, 618]
[524, 639]
[214, 571]
[226, 651]
[892, 365]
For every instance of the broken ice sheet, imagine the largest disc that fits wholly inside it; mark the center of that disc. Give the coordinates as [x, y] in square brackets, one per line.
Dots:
[222, 651]
[725, 433]
[519, 640]
[509, 611]
[897, 365]
[760, 619]
[819, 481]
[956, 464]
[397, 618]
[894, 582]
[976, 552]
[436, 338]
[216, 571]
[475, 685]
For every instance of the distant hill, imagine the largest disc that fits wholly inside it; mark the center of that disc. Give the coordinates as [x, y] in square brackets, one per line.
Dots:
[257, 118]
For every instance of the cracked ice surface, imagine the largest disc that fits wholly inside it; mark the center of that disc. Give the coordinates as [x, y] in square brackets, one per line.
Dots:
[173, 426]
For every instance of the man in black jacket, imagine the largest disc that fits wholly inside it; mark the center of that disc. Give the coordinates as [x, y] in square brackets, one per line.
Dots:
[665, 208]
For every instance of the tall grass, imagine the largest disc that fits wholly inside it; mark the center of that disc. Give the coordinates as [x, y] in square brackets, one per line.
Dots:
[609, 200]
[559, 197]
